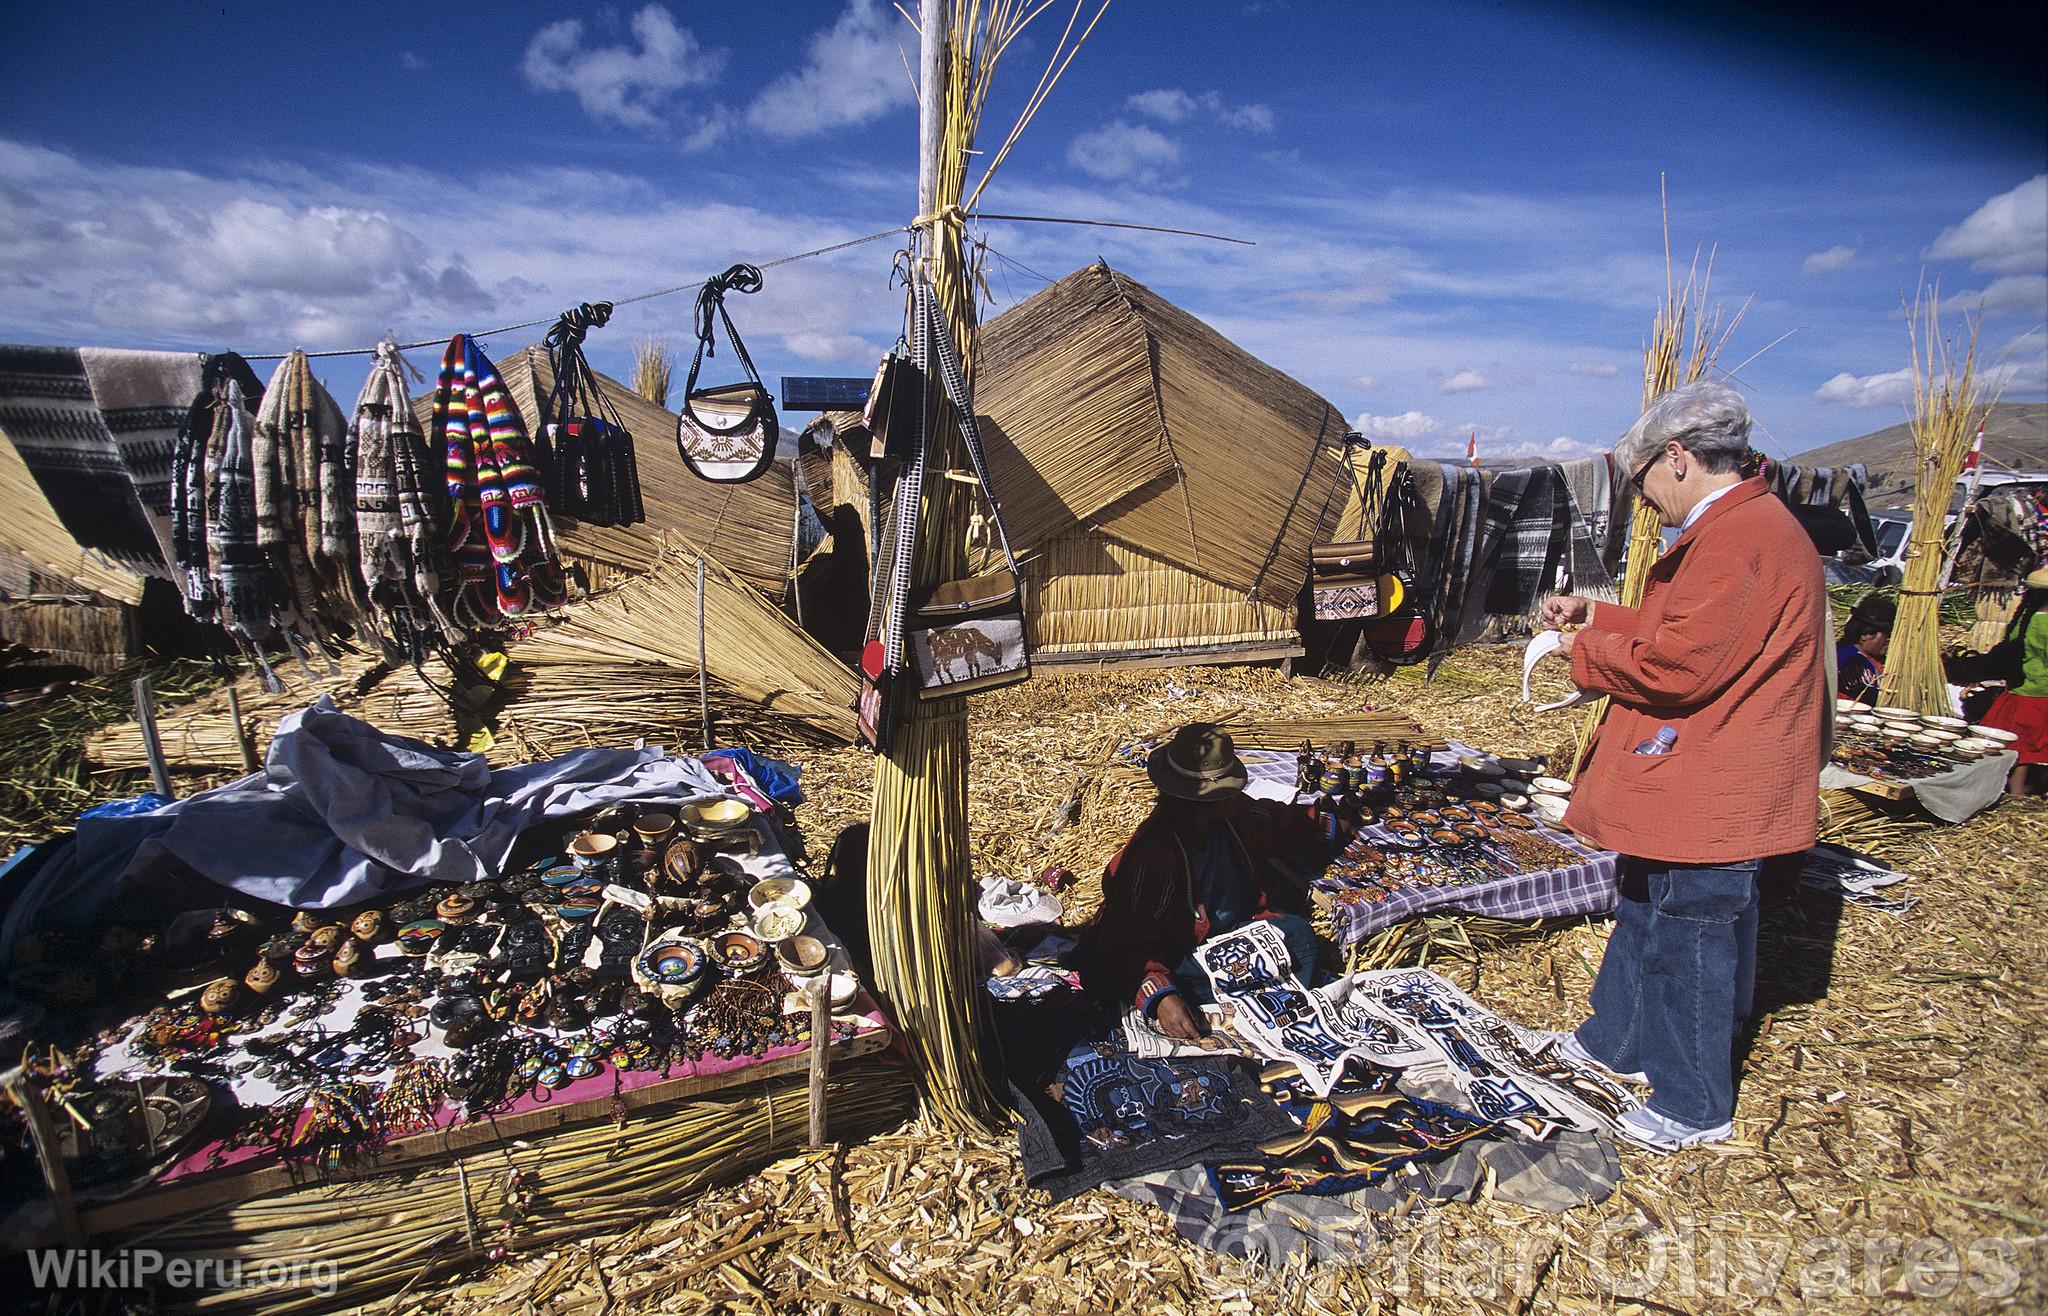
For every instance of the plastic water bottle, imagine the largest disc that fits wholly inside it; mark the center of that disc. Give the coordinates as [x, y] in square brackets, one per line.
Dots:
[1660, 743]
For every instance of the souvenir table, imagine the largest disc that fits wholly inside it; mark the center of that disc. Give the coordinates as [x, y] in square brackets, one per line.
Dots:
[337, 1033]
[1474, 874]
[1946, 766]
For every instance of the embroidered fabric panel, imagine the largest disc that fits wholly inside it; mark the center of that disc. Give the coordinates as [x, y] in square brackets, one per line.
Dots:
[1495, 1063]
[1249, 969]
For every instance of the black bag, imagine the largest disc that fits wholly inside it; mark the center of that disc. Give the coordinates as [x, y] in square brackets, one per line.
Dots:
[726, 434]
[584, 450]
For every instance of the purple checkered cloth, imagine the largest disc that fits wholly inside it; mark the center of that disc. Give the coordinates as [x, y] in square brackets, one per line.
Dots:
[1582, 888]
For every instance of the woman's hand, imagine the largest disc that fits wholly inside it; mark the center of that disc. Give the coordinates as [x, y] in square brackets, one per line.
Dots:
[1566, 610]
[1176, 1019]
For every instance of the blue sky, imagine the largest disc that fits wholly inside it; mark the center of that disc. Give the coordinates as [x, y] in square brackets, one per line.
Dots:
[1455, 205]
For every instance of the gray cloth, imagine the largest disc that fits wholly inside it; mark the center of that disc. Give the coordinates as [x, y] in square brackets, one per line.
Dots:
[343, 812]
[1589, 484]
[143, 398]
[1953, 796]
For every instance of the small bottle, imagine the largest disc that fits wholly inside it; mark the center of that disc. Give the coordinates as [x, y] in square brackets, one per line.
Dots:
[1379, 779]
[1418, 760]
[1306, 769]
[1661, 743]
[1397, 764]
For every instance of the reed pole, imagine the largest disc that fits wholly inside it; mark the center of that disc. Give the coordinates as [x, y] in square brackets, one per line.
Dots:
[921, 914]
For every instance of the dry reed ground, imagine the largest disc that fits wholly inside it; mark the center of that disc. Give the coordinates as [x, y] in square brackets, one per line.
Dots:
[1889, 1140]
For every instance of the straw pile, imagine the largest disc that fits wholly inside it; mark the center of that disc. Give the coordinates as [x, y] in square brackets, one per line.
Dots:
[1890, 1094]
[1948, 406]
[654, 368]
[395, 1237]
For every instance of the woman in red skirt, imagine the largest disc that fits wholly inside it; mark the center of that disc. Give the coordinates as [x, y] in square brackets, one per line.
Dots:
[2023, 708]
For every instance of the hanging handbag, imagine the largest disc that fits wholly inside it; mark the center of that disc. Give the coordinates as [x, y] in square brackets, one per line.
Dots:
[727, 433]
[968, 634]
[590, 473]
[1402, 633]
[891, 410]
[1343, 575]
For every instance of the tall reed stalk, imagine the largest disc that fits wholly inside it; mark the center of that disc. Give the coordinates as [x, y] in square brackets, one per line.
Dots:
[654, 369]
[921, 890]
[1948, 405]
[1685, 341]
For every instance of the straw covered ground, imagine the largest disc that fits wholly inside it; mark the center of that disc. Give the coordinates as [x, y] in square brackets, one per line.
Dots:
[1889, 1144]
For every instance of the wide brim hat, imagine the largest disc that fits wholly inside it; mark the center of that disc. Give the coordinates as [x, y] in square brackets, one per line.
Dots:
[1199, 763]
[2037, 578]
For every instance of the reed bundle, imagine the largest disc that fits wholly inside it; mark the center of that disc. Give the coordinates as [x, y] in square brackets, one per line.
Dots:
[403, 1231]
[1948, 405]
[921, 890]
[1685, 341]
[654, 368]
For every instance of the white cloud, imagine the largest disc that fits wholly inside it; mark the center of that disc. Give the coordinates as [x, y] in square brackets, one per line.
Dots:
[2006, 235]
[1892, 388]
[1465, 381]
[712, 127]
[853, 73]
[1172, 105]
[1122, 150]
[1408, 429]
[625, 84]
[1369, 383]
[1594, 369]
[2020, 294]
[410, 59]
[1167, 104]
[1834, 260]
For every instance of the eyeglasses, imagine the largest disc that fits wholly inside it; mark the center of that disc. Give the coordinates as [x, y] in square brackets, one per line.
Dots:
[1636, 481]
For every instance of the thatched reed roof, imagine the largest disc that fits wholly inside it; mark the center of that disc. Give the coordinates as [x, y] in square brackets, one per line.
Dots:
[748, 527]
[31, 532]
[1107, 405]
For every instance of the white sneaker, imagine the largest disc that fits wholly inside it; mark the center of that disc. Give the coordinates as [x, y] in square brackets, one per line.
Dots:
[1660, 1133]
[1569, 1046]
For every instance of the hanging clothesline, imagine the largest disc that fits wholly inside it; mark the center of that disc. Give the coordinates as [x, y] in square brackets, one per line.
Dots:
[769, 265]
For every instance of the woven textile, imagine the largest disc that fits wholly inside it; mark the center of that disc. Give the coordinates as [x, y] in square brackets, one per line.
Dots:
[250, 598]
[395, 514]
[499, 530]
[1525, 530]
[143, 398]
[46, 408]
[1587, 887]
[304, 519]
[1589, 492]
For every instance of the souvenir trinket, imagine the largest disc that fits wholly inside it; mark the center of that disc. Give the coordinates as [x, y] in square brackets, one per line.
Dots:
[419, 937]
[220, 996]
[262, 979]
[368, 927]
[739, 952]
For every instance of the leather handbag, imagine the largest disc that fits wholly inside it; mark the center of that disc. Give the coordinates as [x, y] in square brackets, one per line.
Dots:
[727, 433]
[1344, 575]
[585, 451]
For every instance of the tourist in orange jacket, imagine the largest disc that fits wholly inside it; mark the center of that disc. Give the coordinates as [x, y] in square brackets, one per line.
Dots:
[1708, 762]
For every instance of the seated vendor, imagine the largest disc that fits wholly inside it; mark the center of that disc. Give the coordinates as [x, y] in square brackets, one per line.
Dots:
[1200, 864]
[1859, 658]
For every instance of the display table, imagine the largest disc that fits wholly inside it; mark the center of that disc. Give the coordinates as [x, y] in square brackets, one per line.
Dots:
[1951, 796]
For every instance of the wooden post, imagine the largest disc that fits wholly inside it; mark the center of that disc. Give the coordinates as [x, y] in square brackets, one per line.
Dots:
[703, 678]
[821, 1052]
[243, 740]
[50, 1155]
[145, 713]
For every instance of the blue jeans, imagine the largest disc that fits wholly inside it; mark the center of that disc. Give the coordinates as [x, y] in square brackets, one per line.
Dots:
[1193, 980]
[1678, 979]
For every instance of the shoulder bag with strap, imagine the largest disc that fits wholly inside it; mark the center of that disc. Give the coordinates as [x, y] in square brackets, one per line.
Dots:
[726, 434]
[592, 473]
[966, 635]
[1344, 575]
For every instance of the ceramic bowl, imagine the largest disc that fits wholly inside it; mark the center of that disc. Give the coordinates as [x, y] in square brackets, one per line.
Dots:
[653, 827]
[1942, 735]
[1896, 713]
[1896, 731]
[674, 961]
[1519, 803]
[1947, 723]
[1480, 768]
[1490, 790]
[1998, 734]
[780, 891]
[739, 952]
[1550, 786]
[802, 956]
[716, 816]
[1978, 745]
[1550, 808]
[845, 987]
[777, 922]
[592, 848]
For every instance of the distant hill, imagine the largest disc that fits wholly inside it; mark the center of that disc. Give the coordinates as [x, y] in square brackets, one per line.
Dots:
[2015, 436]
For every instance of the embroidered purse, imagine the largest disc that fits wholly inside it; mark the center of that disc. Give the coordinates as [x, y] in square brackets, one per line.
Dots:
[1343, 576]
[726, 434]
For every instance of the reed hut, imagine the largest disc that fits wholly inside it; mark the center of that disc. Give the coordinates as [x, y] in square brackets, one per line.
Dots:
[56, 596]
[1161, 483]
